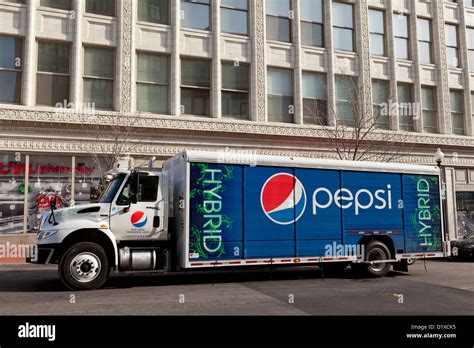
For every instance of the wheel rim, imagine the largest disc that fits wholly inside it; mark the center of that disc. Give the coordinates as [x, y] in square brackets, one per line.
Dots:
[377, 255]
[85, 267]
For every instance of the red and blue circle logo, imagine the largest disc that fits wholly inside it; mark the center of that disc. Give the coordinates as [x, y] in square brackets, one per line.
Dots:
[138, 219]
[283, 198]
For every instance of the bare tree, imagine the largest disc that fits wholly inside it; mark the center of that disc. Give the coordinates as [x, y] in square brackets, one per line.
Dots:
[112, 142]
[358, 134]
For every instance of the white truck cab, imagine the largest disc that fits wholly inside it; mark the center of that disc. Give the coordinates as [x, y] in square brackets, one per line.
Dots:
[125, 230]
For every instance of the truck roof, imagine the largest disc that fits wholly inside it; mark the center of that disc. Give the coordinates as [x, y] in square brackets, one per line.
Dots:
[243, 158]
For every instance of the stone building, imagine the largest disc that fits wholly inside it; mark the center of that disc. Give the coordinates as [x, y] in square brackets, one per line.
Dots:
[232, 75]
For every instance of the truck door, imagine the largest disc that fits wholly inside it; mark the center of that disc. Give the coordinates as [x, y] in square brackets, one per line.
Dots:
[138, 218]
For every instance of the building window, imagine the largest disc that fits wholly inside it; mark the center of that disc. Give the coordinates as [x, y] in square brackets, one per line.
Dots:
[470, 47]
[312, 28]
[61, 4]
[280, 95]
[457, 111]
[153, 83]
[99, 66]
[428, 104]
[380, 99]
[196, 14]
[235, 90]
[314, 99]
[425, 41]
[377, 32]
[52, 82]
[346, 100]
[406, 107]
[153, 11]
[452, 45]
[343, 27]
[11, 64]
[101, 7]
[195, 87]
[234, 17]
[278, 20]
[402, 40]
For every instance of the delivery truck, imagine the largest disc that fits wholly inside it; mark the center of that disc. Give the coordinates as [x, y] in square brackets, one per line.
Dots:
[207, 211]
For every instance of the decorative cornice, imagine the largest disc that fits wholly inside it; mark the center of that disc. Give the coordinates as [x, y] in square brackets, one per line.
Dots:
[163, 150]
[196, 125]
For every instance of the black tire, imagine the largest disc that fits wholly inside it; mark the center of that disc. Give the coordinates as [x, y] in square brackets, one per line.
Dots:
[373, 250]
[84, 267]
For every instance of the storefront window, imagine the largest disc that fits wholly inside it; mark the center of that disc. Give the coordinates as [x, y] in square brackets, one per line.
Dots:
[49, 178]
[12, 188]
[87, 182]
[465, 213]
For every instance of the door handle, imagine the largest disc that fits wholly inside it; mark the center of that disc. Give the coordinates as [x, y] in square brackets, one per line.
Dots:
[154, 208]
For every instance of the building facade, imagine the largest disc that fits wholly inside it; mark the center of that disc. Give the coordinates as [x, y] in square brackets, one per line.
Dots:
[256, 76]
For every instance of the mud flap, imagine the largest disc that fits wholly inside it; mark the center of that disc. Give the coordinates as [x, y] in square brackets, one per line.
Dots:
[401, 266]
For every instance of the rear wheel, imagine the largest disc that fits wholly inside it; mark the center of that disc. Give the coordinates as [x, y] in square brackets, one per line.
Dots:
[374, 251]
[84, 267]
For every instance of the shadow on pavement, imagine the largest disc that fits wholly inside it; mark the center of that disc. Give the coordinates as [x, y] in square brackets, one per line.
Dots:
[48, 280]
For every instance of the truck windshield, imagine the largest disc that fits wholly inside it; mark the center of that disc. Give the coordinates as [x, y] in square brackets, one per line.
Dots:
[111, 190]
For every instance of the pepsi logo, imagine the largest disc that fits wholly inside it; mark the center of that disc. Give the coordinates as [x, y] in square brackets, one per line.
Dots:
[283, 198]
[138, 219]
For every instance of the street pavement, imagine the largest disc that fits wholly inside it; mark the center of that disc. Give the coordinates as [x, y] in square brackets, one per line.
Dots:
[444, 288]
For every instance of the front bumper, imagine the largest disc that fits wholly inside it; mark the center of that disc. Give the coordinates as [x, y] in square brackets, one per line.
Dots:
[45, 255]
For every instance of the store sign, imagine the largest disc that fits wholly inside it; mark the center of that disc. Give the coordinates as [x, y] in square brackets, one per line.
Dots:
[19, 168]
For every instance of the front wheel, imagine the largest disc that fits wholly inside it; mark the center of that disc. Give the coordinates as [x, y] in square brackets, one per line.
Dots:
[84, 267]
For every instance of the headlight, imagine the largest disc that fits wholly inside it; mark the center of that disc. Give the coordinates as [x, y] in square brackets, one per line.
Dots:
[46, 234]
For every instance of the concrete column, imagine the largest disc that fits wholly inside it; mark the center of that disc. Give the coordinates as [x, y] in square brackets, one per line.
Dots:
[259, 68]
[463, 40]
[175, 90]
[444, 107]
[331, 83]
[216, 76]
[73, 181]
[25, 199]
[298, 73]
[77, 60]
[418, 121]
[363, 50]
[124, 57]
[393, 97]
[29, 55]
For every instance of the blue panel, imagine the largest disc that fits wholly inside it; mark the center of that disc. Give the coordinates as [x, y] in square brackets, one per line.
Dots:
[316, 222]
[231, 251]
[422, 213]
[215, 211]
[268, 211]
[273, 249]
[314, 247]
[371, 201]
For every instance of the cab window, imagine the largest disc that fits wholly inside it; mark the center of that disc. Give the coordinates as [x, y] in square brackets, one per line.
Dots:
[147, 188]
